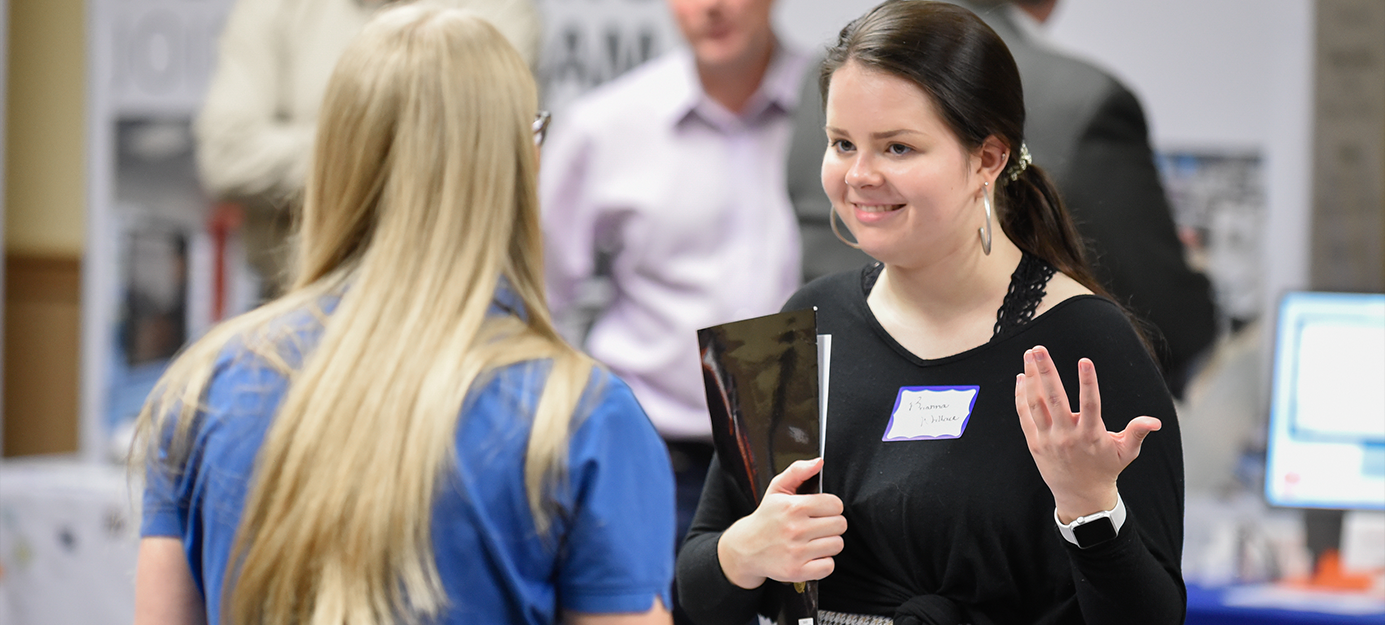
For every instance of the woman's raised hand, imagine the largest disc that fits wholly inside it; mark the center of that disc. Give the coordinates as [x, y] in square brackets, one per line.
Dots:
[1077, 457]
[789, 537]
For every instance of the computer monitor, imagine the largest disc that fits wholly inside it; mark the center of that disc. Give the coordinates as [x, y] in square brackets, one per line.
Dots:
[1326, 445]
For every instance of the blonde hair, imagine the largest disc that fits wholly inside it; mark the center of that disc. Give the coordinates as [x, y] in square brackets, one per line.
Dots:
[422, 196]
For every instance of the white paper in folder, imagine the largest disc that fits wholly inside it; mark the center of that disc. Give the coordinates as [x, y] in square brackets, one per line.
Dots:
[824, 373]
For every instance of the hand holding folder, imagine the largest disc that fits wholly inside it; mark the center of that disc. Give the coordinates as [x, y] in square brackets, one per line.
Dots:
[761, 378]
[790, 537]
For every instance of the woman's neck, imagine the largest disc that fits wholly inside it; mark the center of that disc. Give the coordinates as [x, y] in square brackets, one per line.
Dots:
[948, 306]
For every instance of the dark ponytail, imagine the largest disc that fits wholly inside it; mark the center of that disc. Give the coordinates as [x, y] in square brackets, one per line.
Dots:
[1033, 216]
[967, 70]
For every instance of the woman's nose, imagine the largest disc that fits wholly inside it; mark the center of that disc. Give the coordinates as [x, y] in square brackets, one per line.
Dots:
[863, 172]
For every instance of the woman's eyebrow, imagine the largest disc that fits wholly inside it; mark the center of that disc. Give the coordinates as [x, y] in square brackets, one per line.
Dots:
[875, 135]
[893, 133]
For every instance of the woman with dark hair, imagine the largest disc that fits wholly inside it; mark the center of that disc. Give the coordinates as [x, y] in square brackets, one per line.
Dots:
[969, 482]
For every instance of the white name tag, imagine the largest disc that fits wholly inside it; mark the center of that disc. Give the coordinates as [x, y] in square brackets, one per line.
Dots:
[930, 412]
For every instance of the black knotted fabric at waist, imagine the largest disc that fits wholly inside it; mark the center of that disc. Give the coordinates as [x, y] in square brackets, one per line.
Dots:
[930, 610]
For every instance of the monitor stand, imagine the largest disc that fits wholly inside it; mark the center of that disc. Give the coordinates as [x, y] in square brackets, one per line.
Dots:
[1323, 534]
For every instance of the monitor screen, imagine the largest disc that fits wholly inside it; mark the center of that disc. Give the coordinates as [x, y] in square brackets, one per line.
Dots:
[1326, 445]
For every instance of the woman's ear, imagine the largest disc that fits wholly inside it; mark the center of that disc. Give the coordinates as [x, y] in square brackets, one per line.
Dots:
[991, 159]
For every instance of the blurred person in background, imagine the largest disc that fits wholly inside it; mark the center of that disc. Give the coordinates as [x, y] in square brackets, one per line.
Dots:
[255, 130]
[403, 436]
[1089, 132]
[675, 173]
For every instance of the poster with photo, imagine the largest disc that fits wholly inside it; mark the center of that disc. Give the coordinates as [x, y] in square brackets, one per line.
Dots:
[1218, 201]
[148, 281]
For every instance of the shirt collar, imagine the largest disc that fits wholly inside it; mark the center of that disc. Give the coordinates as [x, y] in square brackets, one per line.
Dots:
[506, 301]
[779, 90]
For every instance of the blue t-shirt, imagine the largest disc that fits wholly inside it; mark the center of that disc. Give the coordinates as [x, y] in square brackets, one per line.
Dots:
[611, 550]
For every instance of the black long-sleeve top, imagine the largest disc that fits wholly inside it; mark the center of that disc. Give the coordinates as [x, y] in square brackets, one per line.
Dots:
[969, 519]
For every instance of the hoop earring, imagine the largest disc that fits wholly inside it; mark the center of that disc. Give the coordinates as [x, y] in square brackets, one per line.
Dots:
[832, 219]
[986, 231]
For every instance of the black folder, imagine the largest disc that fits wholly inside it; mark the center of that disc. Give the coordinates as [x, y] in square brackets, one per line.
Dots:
[761, 377]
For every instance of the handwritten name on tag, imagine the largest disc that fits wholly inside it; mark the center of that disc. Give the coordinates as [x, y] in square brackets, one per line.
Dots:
[930, 412]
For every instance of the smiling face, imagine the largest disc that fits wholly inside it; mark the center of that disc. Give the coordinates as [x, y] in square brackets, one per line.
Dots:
[897, 175]
[724, 32]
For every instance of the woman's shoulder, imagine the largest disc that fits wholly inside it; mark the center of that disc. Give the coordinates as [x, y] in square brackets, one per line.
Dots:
[607, 389]
[1060, 288]
[606, 401]
[1067, 301]
[1083, 314]
[610, 421]
[611, 402]
[279, 343]
[1091, 326]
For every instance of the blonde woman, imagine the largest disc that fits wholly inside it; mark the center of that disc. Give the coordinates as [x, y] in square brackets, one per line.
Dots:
[403, 437]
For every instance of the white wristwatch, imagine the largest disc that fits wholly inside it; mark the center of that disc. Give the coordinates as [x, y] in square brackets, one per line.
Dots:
[1094, 529]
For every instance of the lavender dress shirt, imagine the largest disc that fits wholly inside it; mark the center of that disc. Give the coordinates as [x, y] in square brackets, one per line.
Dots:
[690, 199]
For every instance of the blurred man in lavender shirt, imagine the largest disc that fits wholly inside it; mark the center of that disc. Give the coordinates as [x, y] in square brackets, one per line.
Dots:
[675, 173]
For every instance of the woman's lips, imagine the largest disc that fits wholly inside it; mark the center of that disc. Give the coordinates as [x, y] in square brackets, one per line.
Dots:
[877, 208]
[872, 213]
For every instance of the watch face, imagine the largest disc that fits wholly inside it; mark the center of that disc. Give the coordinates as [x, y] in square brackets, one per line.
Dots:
[1094, 533]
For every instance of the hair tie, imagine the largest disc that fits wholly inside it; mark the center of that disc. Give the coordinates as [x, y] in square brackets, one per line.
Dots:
[1013, 172]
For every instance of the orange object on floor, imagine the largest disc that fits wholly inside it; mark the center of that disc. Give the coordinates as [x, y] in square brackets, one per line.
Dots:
[1328, 575]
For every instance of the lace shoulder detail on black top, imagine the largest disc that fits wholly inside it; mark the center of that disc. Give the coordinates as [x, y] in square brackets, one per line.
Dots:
[1028, 285]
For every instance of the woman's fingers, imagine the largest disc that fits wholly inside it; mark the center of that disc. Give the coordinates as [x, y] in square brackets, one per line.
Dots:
[824, 547]
[810, 553]
[1051, 386]
[1129, 440]
[1048, 402]
[829, 525]
[787, 538]
[788, 481]
[808, 541]
[1022, 409]
[1089, 398]
[815, 569]
[814, 508]
[1034, 394]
